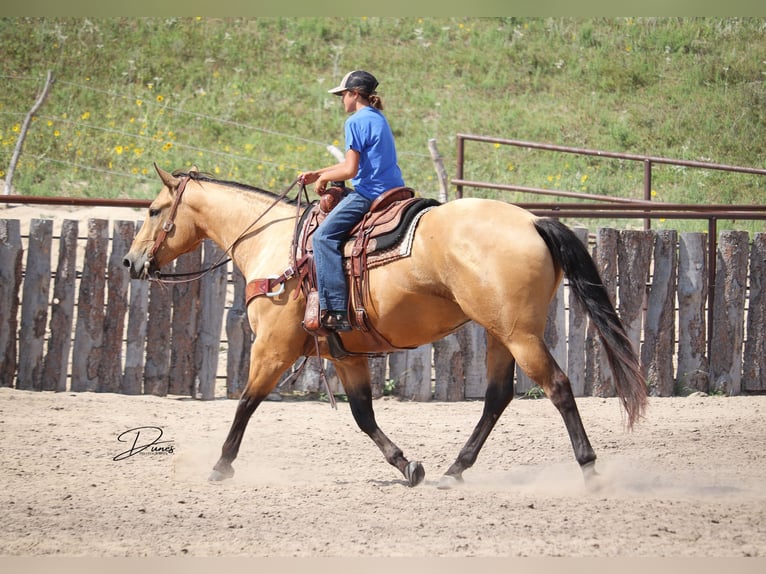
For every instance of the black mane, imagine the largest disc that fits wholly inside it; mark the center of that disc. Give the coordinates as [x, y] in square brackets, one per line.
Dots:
[201, 176]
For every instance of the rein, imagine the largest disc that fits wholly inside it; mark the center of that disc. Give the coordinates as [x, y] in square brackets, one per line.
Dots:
[223, 259]
[195, 275]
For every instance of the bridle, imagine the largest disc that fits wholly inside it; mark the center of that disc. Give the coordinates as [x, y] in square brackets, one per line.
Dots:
[169, 224]
[225, 257]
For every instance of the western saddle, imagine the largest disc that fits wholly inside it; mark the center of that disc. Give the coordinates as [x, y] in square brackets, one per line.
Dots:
[383, 235]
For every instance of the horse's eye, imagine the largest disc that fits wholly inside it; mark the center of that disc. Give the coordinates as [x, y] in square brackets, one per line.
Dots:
[154, 212]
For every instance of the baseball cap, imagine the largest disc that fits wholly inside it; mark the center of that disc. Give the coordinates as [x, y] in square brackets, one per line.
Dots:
[357, 80]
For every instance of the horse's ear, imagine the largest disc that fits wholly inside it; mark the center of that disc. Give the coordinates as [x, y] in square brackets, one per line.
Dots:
[194, 169]
[167, 178]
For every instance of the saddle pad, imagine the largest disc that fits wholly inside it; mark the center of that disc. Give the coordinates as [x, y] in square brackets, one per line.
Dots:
[378, 243]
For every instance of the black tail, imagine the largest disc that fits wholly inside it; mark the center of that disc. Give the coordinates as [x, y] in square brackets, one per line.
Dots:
[585, 282]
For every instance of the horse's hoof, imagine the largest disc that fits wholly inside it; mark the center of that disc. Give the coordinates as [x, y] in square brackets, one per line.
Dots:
[594, 482]
[414, 473]
[219, 475]
[448, 482]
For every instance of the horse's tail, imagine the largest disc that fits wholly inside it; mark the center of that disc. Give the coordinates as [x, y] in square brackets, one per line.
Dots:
[585, 282]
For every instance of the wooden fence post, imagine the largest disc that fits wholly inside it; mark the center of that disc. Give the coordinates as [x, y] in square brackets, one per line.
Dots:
[212, 299]
[598, 381]
[378, 366]
[308, 381]
[577, 322]
[692, 373]
[659, 333]
[441, 173]
[133, 374]
[449, 369]
[240, 337]
[634, 256]
[729, 313]
[89, 328]
[10, 283]
[158, 338]
[754, 372]
[411, 370]
[186, 304]
[473, 340]
[56, 366]
[110, 367]
[34, 305]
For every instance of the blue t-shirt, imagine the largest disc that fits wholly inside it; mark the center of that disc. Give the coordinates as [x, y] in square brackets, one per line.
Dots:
[367, 132]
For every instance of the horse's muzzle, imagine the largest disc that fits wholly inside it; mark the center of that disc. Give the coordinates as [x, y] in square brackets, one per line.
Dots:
[140, 267]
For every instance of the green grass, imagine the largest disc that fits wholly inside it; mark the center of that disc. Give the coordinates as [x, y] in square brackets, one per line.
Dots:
[246, 99]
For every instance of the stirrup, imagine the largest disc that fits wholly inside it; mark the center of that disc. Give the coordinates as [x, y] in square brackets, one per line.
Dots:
[335, 321]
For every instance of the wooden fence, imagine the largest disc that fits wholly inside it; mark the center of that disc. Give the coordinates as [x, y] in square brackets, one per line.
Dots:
[85, 326]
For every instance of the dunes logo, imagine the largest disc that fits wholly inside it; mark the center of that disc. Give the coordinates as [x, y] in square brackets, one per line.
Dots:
[144, 440]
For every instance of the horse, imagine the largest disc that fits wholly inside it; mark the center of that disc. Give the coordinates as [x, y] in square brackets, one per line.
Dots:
[471, 259]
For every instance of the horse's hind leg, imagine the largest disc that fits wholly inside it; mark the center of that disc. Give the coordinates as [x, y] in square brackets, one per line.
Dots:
[500, 369]
[354, 373]
[536, 361]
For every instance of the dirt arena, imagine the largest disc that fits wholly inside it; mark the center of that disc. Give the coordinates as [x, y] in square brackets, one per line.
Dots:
[688, 482]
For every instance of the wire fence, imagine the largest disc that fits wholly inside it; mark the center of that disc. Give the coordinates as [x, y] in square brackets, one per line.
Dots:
[143, 130]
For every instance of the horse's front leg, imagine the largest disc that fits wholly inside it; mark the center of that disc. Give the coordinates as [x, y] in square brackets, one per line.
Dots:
[354, 373]
[267, 363]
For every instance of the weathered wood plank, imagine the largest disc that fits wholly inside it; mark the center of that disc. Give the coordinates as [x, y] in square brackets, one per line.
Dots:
[473, 340]
[158, 338]
[449, 369]
[11, 253]
[634, 256]
[34, 305]
[378, 368]
[659, 333]
[729, 313]
[754, 371]
[599, 378]
[186, 304]
[411, 371]
[133, 374]
[577, 321]
[56, 365]
[110, 368]
[89, 327]
[693, 373]
[212, 302]
[240, 339]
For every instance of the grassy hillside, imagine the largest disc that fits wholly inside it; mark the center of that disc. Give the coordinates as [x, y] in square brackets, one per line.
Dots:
[246, 99]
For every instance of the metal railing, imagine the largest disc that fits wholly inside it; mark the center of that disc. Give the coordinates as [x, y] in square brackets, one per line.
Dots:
[620, 207]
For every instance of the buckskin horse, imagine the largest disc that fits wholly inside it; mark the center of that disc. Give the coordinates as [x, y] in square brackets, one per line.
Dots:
[471, 259]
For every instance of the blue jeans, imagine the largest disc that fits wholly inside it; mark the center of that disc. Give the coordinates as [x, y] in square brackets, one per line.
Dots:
[328, 240]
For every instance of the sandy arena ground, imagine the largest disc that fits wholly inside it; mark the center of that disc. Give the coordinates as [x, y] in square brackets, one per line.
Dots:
[688, 482]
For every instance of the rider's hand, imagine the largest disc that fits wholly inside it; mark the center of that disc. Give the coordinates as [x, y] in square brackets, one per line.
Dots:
[308, 177]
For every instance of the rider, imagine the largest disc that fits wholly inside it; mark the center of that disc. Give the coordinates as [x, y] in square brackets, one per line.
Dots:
[371, 165]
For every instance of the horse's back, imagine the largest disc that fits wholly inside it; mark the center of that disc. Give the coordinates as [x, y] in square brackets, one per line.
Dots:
[490, 257]
[484, 229]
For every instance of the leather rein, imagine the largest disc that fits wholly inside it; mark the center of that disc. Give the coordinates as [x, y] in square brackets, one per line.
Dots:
[224, 258]
[161, 278]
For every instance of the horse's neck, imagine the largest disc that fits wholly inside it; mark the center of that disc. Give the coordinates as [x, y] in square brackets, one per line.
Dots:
[257, 225]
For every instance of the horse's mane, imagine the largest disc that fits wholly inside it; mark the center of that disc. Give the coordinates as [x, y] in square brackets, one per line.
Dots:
[202, 176]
